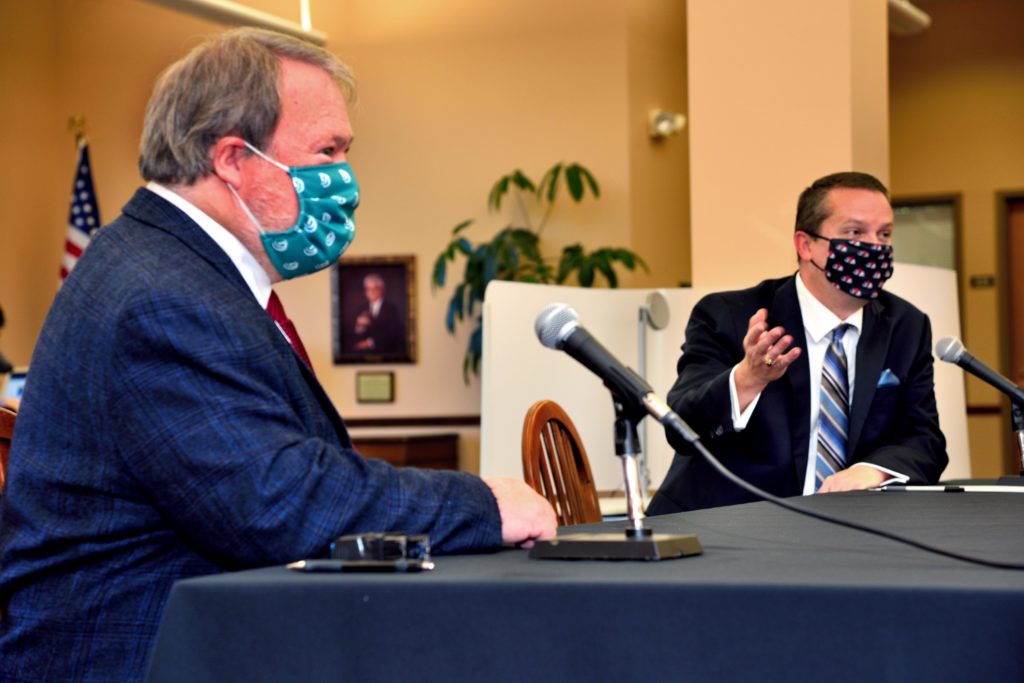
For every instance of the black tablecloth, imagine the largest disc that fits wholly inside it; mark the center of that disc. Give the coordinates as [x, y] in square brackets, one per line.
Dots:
[775, 596]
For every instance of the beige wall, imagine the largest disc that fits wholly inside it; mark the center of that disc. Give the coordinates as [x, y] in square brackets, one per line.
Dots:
[957, 96]
[34, 145]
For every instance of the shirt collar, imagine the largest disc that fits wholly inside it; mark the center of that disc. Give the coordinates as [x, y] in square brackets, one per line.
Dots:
[818, 320]
[248, 267]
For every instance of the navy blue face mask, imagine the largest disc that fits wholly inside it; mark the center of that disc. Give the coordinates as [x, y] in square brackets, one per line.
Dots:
[856, 268]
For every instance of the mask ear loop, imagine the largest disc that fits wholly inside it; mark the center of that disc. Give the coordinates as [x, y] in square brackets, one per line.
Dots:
[245, 208]
[242, 204]
[263, 156]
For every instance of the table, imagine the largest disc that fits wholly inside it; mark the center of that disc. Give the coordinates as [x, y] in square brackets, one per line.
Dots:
[776, 596]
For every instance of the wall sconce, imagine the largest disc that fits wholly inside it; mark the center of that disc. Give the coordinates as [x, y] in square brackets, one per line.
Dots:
[663, 124]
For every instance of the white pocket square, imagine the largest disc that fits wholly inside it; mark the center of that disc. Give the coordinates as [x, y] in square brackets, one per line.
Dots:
[888, 379]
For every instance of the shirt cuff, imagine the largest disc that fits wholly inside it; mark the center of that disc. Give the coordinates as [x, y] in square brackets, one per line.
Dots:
[739, 420]
[894, 477]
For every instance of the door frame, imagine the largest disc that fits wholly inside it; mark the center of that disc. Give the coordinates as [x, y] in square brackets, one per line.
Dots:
[1004, 267]
[956, 199]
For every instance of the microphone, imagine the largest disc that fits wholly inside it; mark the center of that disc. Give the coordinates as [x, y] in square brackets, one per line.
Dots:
[558, 327]
[951, 350]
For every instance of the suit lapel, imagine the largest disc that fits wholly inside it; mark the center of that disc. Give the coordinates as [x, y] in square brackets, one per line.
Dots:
[872, 351]
[159, 213]
[786, 312]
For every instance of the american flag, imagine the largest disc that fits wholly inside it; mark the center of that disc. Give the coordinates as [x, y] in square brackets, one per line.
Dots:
[84, 217]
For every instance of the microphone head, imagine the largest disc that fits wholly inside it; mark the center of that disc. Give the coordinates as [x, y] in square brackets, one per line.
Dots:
[949, 349]
[554, 324]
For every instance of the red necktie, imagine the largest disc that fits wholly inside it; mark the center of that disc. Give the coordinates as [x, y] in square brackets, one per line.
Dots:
[276, 311]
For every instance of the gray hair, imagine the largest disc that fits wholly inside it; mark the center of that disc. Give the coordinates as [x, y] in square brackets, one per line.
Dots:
[225, 86]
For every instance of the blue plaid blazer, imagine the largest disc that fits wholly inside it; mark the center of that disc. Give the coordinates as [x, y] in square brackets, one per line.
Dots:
[168, 430]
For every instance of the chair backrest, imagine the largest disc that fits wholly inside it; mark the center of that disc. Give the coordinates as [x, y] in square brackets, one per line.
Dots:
[7, 417]
[556, 466]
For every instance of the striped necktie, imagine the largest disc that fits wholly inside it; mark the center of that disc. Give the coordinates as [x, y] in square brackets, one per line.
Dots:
[833, 416]
[276, 310]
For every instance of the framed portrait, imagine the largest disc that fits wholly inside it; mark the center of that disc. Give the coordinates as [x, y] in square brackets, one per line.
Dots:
[373, 302]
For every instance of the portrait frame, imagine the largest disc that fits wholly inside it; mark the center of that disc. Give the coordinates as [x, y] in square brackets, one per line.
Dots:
[385, 333]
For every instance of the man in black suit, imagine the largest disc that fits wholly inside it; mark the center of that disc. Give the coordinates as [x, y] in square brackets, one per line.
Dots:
[818, 382]
[378, 328]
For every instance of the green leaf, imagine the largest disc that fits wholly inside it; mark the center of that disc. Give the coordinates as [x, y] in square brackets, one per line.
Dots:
[625, 256]
[440, 266]
[474, 350]
[454, 304]
[591, 181]
[639, 261]
[569, 262]
[462, 226]
[510, 259]
[476, 345]
[460, 304]
[526, 242]
[522, 182]
[464, 245]
[602, 262]
[499, 190]
[550, 181]
[490, 269]
[586, 274]
[575, 183]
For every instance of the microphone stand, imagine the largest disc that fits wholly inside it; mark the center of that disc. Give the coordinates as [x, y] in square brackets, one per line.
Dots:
[1017, 413]
[1017, 419]
[1017, 422]
[637, 542]
[627, 447]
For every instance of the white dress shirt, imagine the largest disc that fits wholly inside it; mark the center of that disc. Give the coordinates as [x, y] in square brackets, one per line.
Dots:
[819, 322]
[248, 267]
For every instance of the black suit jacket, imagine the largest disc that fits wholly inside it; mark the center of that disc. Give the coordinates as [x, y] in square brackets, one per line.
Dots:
[895, 425]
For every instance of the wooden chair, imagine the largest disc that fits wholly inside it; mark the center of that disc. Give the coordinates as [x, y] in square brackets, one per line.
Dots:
[556, 466]
[7, 417]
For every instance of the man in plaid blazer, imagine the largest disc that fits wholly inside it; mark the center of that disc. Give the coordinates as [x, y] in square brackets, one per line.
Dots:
[170, 429]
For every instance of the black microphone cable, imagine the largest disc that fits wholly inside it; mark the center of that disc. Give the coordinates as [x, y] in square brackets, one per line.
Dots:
[677, 424]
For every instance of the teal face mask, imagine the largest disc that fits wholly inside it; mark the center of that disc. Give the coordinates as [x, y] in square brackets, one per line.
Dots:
[328, 196]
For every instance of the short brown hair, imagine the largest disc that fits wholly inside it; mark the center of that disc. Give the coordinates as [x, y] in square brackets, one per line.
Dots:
[227, 85]
[811, 209]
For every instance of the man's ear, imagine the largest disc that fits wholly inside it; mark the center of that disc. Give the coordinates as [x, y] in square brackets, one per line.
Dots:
[227, 156]
[802, 244]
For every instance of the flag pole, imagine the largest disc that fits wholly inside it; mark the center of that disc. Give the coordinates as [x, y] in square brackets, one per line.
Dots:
[76, 125]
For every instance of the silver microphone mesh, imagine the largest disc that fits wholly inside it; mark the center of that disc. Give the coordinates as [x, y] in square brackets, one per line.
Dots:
[554, 324]
[949, 349]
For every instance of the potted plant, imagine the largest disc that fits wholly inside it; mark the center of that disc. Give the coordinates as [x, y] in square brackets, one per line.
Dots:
[515, 254]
